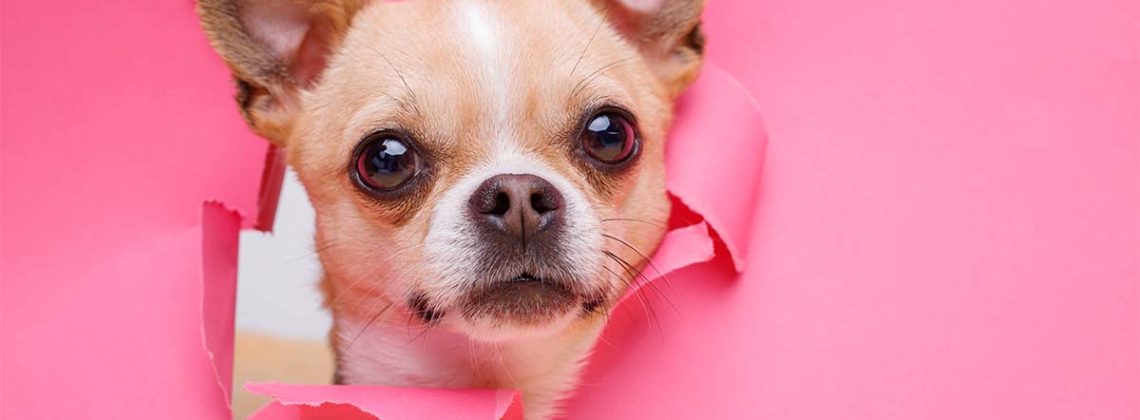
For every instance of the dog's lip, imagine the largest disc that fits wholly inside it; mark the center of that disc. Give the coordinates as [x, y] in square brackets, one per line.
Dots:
[524, 298]
[535, 282]
[525, 277]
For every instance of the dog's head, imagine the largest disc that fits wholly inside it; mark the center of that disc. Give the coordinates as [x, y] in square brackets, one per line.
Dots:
[493, 166]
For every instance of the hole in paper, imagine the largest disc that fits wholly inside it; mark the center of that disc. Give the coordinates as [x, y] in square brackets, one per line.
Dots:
[281, 327]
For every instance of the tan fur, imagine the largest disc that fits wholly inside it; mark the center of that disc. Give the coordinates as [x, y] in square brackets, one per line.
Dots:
[409, 65]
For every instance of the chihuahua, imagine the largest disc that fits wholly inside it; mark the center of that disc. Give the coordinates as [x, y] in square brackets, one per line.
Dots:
[488, 176]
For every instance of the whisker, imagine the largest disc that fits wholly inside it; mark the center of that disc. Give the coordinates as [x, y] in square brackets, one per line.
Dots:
[639, 274]
[471, 358]
[633, 290]
[315, 251]
[607, 342]
[345, 291]
[503, 364]
[648, 259]
[622, 219]
[368, 324]
[645, 303]
[423, 332]
[590, 77]
[399, 74]
[624, 308]
[588, 43]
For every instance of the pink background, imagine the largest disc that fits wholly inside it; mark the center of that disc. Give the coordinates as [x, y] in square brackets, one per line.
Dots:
[948, 224]
[118, 121]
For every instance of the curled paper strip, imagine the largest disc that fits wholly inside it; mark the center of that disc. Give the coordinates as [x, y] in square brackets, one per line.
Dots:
[715, 155]
[220, 226]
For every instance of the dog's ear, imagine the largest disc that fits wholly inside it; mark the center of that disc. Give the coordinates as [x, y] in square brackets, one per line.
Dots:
[667, 32]
[275, 49]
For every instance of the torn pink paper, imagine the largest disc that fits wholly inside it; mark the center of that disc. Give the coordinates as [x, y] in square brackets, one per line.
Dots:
[278, 410]
[947, 227]
[386, 403]
[680, 248]
[116, 123]
[219, 289]
[715, 107]
[715, 155]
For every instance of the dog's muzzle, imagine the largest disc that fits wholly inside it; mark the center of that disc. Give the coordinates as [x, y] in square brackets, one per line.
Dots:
[520, 222]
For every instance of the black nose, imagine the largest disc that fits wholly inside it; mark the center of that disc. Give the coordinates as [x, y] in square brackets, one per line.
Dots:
[520, 207]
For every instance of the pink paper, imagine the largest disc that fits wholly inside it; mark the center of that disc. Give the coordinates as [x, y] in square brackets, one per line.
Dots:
[947, 225]
[715, 154]
[680, 248]
[386, 403]
[117, 125]
[219, 290]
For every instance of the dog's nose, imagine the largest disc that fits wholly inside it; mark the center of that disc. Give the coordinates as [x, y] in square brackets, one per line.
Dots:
[519, 206]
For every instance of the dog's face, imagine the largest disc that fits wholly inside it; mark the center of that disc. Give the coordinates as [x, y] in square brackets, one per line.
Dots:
[493, 167]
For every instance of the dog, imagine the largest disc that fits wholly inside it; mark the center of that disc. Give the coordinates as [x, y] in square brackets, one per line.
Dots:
[488, 176]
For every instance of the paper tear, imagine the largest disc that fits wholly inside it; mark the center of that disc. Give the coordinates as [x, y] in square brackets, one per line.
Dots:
[714, 157]
[280, 411]
[388, 403]
[679, 249]
[220, 225]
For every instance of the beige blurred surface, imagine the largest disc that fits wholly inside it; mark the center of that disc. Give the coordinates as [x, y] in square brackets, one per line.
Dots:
[262, 357]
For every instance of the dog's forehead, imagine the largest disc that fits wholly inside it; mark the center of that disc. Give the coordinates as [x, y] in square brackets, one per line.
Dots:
[472, 71]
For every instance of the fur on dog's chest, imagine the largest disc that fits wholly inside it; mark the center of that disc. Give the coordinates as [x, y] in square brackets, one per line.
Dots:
[545, 369]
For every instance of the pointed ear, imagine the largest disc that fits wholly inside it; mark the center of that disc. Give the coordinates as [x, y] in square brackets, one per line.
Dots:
[667, 32]
[275, 49]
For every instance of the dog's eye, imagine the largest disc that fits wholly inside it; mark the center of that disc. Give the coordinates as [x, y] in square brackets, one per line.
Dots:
[609, 137]
[385, 163]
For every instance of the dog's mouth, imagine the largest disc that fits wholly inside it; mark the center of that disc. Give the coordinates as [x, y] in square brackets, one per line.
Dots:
[525, 277]
[523, 299]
